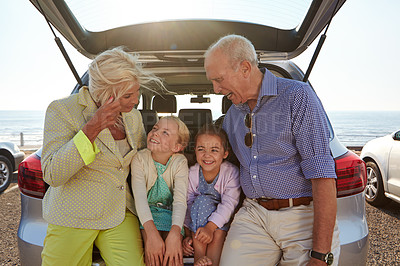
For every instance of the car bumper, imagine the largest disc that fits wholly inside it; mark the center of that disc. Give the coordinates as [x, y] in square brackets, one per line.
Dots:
[18, 158]
[353, 230]
[31, 231]
[354, 253]
[351, 217]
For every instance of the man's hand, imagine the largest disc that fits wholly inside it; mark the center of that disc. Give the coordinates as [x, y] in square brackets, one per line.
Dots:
[106, 116]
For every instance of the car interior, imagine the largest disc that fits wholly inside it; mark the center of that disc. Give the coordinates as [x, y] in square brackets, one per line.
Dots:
[195, 86]
[194, 118]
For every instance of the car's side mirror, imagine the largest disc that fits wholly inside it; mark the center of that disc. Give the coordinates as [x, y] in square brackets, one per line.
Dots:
[396, 136]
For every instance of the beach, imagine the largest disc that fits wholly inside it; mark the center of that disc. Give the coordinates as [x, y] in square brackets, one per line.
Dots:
[29, 149]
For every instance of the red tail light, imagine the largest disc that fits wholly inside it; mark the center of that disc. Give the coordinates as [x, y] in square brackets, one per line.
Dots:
[351, 174]
[30, 178]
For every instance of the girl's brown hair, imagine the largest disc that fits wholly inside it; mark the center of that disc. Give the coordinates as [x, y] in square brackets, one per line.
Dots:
[210, 129]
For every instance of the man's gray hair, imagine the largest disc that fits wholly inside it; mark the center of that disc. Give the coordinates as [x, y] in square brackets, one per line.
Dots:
[236, 47]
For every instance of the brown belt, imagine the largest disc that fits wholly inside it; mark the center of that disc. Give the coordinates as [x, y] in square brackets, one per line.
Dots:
[276, 204]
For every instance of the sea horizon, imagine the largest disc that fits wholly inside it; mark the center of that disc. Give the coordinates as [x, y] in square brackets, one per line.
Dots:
[353, 128]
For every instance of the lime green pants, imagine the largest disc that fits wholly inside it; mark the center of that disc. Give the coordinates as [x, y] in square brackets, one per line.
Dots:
[121, 245]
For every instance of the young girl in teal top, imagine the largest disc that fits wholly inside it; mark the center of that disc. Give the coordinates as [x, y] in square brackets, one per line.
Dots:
[159, 184]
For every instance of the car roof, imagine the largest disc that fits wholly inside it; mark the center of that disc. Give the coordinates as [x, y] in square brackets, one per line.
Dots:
[185, 40]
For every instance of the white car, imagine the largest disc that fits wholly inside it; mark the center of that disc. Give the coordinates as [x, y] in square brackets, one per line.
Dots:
[10, 157]
[382, 157]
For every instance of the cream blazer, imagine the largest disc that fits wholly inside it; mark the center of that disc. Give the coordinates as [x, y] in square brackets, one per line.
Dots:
[92, 196]
[144, 176]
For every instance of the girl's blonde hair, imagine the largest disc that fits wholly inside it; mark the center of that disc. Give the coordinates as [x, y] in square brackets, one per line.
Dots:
[183, 131]
[115, 71]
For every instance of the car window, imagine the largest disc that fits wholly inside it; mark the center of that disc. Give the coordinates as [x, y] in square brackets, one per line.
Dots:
[183, 102]
[100, 15]
[140, 105]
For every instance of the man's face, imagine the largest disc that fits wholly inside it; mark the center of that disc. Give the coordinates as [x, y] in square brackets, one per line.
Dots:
[224, 78]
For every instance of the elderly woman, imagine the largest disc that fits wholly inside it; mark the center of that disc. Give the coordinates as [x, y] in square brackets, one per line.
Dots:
[89, 141]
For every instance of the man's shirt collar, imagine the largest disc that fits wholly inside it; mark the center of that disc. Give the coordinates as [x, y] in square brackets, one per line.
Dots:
[268, 88]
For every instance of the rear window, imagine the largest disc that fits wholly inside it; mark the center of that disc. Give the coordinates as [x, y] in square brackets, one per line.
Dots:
[100, 15]
[183, 102]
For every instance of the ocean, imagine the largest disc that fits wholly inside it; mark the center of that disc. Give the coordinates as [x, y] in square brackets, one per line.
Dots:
[29, 123]
[353, 128]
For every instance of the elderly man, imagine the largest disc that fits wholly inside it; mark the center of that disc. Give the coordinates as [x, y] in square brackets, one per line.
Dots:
[278, 130]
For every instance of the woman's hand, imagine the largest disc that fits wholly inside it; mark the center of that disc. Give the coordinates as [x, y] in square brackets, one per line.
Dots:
[154, 245]
[187, 246]
[173, 242]
[206, 234]
[104, 117]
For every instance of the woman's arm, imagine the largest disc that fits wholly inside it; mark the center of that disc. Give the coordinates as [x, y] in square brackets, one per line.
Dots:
[66, 147]
[60, 157]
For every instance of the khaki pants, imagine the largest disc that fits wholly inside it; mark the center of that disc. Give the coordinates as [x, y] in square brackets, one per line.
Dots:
[121, 245]
[261, 237]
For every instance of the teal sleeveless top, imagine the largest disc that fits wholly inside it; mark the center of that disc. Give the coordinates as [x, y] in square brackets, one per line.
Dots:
[160, 200]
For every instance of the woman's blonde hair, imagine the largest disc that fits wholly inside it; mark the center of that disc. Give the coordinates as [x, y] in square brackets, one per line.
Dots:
[115, 71]
[183, 131]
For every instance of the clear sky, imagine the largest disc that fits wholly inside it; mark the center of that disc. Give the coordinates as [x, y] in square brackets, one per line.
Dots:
[356, 69]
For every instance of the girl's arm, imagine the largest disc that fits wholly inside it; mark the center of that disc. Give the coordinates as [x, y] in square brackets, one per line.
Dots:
[173, 251]
[139, 189]
[173, 242]
[154, 246]
[180, 187]
[206, 234]
[187, 243]
[229, 197]
[191, 195]
[153, 242]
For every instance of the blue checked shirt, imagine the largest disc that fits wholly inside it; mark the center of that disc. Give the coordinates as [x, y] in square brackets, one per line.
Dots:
[290, 140]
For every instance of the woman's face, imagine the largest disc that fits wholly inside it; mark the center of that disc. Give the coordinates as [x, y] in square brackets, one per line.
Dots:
[130, 98]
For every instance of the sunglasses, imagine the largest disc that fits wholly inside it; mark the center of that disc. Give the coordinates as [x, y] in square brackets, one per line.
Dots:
[248, 138]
